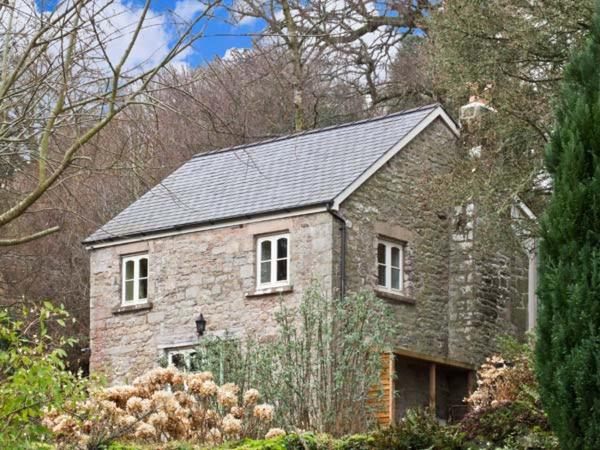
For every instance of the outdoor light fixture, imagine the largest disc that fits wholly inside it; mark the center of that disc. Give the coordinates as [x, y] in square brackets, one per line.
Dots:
[200, 325]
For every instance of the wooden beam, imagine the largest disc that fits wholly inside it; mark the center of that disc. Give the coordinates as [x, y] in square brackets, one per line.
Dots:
[392, 394]
[432, 387]
[385, 405]
[436, 359]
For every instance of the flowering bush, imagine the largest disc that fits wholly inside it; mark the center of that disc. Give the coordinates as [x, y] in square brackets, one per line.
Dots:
[505, 407]
[500, 381]
[164, 404]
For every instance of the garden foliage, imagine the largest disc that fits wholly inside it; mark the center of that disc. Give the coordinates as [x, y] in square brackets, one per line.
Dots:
[163, 405]
[32, 372]
[568, 347]
[320, 369]
[505, 409]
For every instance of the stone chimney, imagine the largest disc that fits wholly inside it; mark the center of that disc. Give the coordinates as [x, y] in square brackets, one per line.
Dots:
[475, 109]
[480, 291]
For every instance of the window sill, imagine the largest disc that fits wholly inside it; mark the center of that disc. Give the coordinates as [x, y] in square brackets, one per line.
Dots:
[270, 291]
[124, 309]
[395, 297]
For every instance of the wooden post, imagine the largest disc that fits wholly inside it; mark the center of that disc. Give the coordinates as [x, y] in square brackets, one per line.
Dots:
[432, 388]
[392, 394]
[470, 381]
[385, 406]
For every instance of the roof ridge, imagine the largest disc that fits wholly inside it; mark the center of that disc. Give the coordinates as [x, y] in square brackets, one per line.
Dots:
[316, 130]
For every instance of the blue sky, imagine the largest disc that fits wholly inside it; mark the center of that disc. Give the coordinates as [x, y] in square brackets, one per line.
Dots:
[219, 35]
[214, 43]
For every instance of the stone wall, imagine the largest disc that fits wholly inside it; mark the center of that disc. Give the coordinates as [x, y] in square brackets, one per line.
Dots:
[395, 203]
[208, 271]
[488, 291]
[456, 301]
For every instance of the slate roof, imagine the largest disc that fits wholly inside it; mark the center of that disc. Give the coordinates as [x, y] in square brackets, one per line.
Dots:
[299, 170]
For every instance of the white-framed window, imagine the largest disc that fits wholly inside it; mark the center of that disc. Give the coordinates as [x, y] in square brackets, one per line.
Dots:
[273, 261]
[390, 265]
[183, 359]
[134, 279]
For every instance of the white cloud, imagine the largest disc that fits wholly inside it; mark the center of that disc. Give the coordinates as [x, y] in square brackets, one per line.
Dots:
[118, 26]
[187, 9]
[116, 22]
[247, 21]
[232, 52]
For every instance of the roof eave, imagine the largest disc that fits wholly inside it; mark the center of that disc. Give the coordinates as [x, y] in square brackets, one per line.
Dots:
[321, 206]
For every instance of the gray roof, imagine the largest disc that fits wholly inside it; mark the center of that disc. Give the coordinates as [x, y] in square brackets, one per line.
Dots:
[304, 169]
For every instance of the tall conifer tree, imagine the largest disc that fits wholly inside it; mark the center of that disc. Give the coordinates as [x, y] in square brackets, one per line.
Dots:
[568, 347]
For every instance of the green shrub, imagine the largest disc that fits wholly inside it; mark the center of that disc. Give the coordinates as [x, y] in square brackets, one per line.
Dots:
[309, 369]
[256, 444]
[419, 430]
[293, 441]
[32, 373]
[306, 441]
[506, 424]
[356, 442]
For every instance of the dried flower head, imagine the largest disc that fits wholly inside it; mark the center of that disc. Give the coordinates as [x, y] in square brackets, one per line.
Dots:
[158, 420]
[227, 395]
[117, 394]
[211, 417]
[134, 405]
[263, 412]
[251, 397]
[184, 399]
[204, 388]
[232, 427]
[165, 401]
[145, 431]
[237, 412]
[274, 433]
[213, 437]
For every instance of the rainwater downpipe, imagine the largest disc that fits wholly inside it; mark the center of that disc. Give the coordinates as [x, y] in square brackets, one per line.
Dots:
[344, 225]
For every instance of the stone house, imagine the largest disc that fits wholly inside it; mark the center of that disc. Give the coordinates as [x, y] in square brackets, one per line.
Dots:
[231, 231]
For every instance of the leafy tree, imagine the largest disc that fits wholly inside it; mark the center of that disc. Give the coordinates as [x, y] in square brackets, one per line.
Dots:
[568, 349]
[511, 54]
[32, 373]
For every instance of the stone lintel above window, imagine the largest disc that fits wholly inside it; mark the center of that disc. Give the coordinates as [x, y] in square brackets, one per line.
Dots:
[392, 231]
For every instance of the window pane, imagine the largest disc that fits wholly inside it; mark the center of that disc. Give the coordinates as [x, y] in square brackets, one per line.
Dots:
[178, 361]
[129, 270]
[282, 248]
[143, 289]
[195, 365]
[395, 278]
[143, 267]
[381, 254]
[395, 257]
[265, 272]
[129, 290]
[282, 270]
[381, 275]
[265, 248]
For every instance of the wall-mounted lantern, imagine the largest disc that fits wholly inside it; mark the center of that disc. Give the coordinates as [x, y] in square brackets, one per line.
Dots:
[200, 325]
